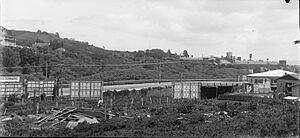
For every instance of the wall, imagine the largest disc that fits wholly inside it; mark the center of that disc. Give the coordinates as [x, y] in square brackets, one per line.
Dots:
[296, 91]
[282, 84]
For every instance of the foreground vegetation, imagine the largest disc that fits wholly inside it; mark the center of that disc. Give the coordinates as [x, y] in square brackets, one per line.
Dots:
[184, 119]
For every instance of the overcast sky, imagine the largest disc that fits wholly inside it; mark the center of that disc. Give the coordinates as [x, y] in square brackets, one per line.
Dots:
[266, 28]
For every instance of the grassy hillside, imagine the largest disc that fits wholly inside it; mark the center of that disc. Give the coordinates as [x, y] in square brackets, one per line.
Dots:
[31, 63]
[33, 36]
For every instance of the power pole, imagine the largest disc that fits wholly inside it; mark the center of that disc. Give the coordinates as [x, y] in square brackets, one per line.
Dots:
[160, 76]
[46, 71]
[287, 1]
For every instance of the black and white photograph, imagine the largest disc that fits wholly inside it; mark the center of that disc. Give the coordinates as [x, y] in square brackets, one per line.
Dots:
[150, 68]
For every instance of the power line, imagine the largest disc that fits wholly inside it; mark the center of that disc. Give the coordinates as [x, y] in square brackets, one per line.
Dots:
[103, 65]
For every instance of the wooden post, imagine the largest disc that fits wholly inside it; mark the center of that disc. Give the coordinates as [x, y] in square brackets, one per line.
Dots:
[111, 102]
[37, 108]
[150, 101]
[34, 92]
[132, 102]
[216, 92]
[167, 100]
[142, 102]
[61, 88]
[105, 110]
[160, 100]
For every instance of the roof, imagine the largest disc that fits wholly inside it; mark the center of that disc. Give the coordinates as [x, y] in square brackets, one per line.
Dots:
[290, 77]
[222, 61]
[295, 85]
[273, 73]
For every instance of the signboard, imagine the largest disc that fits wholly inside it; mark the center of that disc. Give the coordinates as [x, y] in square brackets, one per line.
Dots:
[9, 78]
[86, 89]
[40, 87]
[8, 88]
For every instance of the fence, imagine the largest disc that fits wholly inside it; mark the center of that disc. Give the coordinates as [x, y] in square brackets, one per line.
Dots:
[40, 87]
[91, 90]
[205, 89]
[8, 88]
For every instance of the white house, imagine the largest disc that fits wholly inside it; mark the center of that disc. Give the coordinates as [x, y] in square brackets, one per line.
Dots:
[264, 81]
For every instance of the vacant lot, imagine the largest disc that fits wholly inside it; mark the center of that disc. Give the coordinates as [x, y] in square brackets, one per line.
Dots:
[203, 118]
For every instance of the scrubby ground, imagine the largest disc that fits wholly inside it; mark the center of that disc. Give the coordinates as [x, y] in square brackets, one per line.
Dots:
[190, 118]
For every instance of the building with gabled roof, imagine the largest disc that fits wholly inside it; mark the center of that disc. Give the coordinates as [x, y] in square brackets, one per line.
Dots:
[266, 81]
[285, 83]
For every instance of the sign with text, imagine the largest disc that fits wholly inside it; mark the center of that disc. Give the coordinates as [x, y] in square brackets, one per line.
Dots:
[9, 78]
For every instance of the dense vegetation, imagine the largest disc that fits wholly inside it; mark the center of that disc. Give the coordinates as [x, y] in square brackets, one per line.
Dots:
[31, 62]
[186, 119]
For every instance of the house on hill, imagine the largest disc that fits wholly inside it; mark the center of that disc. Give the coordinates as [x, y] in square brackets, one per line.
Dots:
[40, 44]
[266, 81]
[285, 83]
[6, 38]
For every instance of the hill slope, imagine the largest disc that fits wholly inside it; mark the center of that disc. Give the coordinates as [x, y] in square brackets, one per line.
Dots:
[32, 62]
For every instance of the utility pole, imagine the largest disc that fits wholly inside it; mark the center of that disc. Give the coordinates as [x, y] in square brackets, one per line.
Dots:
[287, 1]
[46, 71]
[160, 73]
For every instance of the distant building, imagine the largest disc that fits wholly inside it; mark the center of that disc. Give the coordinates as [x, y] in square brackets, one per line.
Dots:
[225, 62]
[6, 38]
[36, 45]
[239, 58]
[284, 83]
[282, 62]
[262, 82]
[229, 55]
[61, 50]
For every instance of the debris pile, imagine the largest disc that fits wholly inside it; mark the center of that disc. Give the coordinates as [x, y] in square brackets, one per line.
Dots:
[72, 115]
[216, 116]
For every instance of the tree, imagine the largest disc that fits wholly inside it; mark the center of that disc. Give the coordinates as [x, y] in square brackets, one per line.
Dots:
[39, 40]
[185, 53]
[55, 44]
[28, 56]
[10, 57]
[57, 34]
[169, 52]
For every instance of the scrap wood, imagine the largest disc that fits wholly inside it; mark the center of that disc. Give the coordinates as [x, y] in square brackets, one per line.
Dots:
[17, 116]
[58, 122]
[72, 124]
[82, 114]
[90, 121]
[41, 120]
[65, 113]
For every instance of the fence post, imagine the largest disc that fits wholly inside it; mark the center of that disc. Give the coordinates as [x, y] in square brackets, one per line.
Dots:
[142, 102]
[61, 88]
[37, 108]
[150, 101]
[34, 92]
[111, 102]
[105, 110]
[167, 100]
[160, 100]
[132, 102]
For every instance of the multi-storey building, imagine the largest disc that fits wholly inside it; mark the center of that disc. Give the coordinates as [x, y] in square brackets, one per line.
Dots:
[6, 38]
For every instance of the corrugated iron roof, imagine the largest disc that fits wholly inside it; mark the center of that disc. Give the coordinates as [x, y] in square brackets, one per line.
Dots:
[272, 73]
